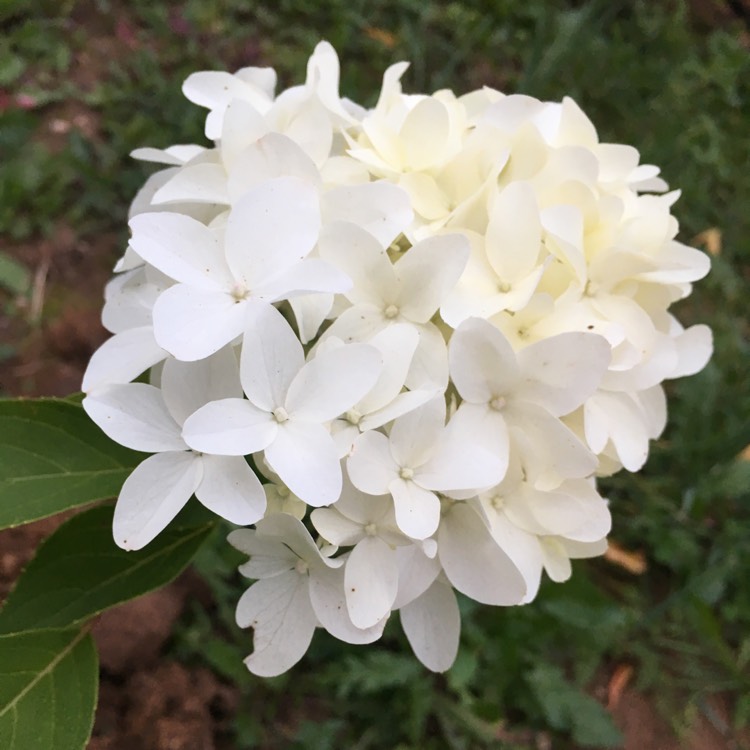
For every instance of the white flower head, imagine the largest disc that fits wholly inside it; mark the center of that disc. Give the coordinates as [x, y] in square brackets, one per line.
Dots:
[297, 589]
[146, 418]
[425, 327]
[420, 457]
[289, 403]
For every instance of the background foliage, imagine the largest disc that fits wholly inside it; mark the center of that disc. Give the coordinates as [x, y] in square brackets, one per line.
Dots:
[84, 83]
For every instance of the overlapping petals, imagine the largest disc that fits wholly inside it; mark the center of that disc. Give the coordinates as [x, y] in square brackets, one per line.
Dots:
[403, 342]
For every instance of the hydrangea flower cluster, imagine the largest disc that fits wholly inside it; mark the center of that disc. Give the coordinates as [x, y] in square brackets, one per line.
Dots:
[401, 342]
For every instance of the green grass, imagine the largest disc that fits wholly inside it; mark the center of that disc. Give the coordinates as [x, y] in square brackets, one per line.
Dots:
[647, 75]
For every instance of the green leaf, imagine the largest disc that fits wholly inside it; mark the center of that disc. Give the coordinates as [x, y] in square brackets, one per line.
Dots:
[79, 572]
[53, 457]
[13, 276]
[566, 708]
[48, 687]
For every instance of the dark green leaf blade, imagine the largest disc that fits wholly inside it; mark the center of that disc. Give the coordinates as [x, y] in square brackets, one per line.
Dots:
[52, 457]
[79, 571]
[48, 689]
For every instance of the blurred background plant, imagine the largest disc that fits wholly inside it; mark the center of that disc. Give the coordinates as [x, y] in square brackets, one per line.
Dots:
[667, 613]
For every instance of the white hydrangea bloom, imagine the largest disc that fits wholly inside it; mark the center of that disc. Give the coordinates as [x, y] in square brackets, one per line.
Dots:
[297, 589]
[479, 293]
[289, 401]
[420, 457]
[148, 419]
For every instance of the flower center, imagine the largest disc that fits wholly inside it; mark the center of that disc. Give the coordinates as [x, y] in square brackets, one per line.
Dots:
[391, 311]
[371, 529]
[504, 287]
[497, 403]
[239, 293]
[592, 289]
[302, 567]
[497, 502]
[353, 416]
[280, 414]
[406, 473]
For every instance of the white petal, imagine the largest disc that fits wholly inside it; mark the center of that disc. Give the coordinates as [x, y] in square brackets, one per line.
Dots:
[271, 357]
[463, 461]
[432, 624]
[400, 405]
[336, 528]
[357, 324]
[380, 208]
[428, 198]
[230, 489]
[485, 427]
[242, 126]
[310, 310]
[523, 548]
[417, 572]
[153, 495]
[129, 298]
[291, 532]
[159, 156]
[476, 293]
[279, 610]
[514, 232]
[694, 347]
[214, 89]
[135, 416]
[482, 361]
[424, 134]
[305, 458]
[370, 581]
[582, 550]
[323, 78]
[551, 452]
[268, 556]
[270, 228]
[344, 433]
[186, 386]
[333, 381]
[229, 427]
[564, 227]
[617, 417]
[122, 358]
[273, 155]
[556, 561]
[329, 603]
[474, 563]
[304, 277]
[182, 248]
[362, 258]
[279, 499]
[192, 323]
[396, 344]
[561, 372]
[310, 128]
[414, 436]
[653, 403]
[364, 508]
[371, 466]
[417, 509]
[429, 366]
[198, 183]
[427, 272]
